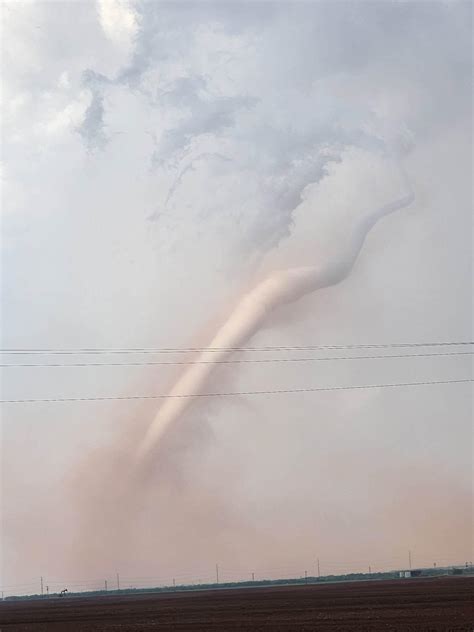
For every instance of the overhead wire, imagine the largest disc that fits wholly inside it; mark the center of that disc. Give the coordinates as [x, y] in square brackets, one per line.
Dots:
[234, 394]
[240, 361]
[100, 351]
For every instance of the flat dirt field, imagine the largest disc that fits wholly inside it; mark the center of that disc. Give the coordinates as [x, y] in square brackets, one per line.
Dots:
[436, 604]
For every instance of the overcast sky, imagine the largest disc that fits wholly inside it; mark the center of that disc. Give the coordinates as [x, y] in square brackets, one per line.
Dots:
[158, 160]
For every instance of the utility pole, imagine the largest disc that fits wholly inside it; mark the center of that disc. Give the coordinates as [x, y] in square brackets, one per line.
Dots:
[253, 577]
[217, 573]
[319, 574]
[174, 583]
[409, 560]
[306, 577]
[118, 581]
[41, 586]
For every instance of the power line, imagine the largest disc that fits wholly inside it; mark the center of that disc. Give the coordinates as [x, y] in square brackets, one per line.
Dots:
[99, 351]
[288, 570]
[232, 394]
[251, 361]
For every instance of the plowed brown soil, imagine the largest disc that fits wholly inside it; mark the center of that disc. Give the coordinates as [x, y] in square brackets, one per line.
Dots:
[411, 605]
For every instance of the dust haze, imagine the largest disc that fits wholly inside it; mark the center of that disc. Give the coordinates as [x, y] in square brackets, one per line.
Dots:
[180, 176]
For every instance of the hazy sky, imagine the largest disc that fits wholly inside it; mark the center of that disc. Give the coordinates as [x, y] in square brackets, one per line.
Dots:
[157, 161]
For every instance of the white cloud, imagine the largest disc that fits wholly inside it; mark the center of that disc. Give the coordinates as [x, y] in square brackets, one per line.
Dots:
[118, 21]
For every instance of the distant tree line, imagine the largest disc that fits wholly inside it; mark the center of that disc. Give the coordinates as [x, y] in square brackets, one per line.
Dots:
[426, 572]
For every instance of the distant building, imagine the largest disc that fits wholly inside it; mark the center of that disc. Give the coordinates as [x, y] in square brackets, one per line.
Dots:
[410, 573]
